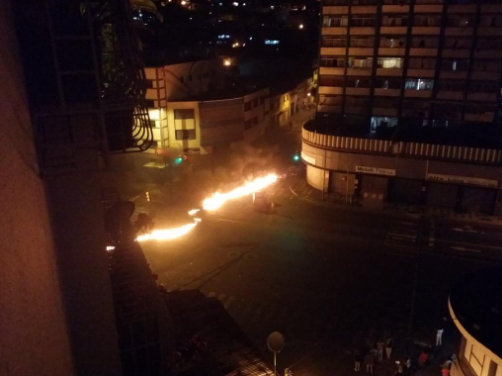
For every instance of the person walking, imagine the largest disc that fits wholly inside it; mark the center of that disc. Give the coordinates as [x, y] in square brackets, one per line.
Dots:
[380, 347]
[357, 360]
[439, 337]
[369, 361]
[388, 347]
[422, 359]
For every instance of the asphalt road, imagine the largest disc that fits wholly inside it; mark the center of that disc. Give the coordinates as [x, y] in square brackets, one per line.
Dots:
[325, 277]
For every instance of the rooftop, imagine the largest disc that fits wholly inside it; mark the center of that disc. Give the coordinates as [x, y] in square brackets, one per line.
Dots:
[230, 92]
[477, 302]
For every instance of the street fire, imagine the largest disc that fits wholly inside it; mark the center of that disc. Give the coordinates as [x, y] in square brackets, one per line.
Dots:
[210, 204]
[218, 199]
[168, 234]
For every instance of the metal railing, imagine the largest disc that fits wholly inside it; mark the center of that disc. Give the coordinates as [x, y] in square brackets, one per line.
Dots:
[401, 148]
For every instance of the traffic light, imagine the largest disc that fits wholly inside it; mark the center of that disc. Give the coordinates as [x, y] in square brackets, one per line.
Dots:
[178, 160]
[296, 157]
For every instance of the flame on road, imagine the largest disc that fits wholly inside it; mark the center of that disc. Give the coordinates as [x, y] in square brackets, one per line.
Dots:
[210, 204]
[218, 199]
[168, 234]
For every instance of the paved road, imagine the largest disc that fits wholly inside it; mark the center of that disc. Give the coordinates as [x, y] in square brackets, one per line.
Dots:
[319, 275]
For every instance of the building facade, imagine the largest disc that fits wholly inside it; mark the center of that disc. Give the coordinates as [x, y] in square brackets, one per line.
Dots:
[475, 308]
[408, 103]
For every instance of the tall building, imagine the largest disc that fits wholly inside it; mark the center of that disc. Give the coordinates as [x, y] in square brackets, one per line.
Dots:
[409, 97]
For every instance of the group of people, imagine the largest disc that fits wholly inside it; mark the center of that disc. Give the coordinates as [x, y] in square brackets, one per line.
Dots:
[376, 354]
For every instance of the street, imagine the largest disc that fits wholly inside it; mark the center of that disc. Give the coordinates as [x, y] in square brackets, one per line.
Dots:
[325, 277]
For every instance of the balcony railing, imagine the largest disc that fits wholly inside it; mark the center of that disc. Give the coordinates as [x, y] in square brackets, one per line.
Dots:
[406, 149]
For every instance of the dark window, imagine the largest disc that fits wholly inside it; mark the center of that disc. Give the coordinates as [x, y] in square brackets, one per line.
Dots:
[362, 41]
[255, 103]
[262, 100]
[149, 103]
[248, 124]
[248, 105]
[185, 134]
[333, 41]
[149, 84]
[184, 114]
[153, 123]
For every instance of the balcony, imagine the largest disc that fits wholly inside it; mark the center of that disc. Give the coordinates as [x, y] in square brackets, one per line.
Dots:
[418, 93]
[335, 10]
[340, 51]
[456, 53]
[329, 109]
[330, 90]
[482, 97]
[356, 30]
[462, 9]
[480, 118]
[450, 95]
[387, 92]
[359, 71]
[423, 52]
[488, 54]
[490, 31]
[334, 31]
[459, 75]
[490, 76]
[382, 111]
[393, 30]
[428, 8]
[360, 51]
[395, 9]
[404, 149]
[458, 31]
[361, 9]
[491, 8]
[357, 91]
[389, 72]
[387, 51]
[425, 30]
[331, 71]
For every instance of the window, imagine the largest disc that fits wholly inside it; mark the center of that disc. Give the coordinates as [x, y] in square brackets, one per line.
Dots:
[455, 65]
[424, 42]
[148, 83]
[184, 114]
[360, 62]
[362, 42]
[422, 63]
[255, 102]
[185, 134]
[262, 100]
[336, 62]
[379, 123]
[392, 42]
[362, 21]
[483, 87]
[333, 41]
[334, 81]
[427, 20]
[456, 20]
[248, 105]
[358, 82]
[395, 20]
[486, 66]
[457, 42]
[452, 85]
[390, 62]
[153, 123]
[335, 21]
[248, 124]
[491, 20]
[418, 84]
[388, 83]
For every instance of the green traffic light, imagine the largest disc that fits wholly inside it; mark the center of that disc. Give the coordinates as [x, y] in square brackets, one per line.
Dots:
[178, 160]
[296, 157]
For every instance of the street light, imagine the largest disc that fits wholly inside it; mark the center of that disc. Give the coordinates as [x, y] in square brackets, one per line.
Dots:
[227, 62]
[300, 26]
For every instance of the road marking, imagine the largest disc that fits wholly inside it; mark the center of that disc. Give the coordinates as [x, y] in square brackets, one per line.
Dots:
[463, 249]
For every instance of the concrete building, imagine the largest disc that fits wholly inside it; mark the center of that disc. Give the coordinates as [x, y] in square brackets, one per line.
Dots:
[191, 112]
[408, 103]
[475, 306]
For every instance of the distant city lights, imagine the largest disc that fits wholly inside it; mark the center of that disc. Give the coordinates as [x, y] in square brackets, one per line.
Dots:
[223, 36]
[271, 41]
[227, 62]
[235, 4]
[183, 2]
[300, 26]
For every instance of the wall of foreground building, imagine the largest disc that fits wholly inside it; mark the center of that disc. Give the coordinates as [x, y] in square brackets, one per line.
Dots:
[33, 326]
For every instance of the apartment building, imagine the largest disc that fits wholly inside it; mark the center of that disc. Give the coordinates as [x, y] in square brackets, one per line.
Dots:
[416, 85]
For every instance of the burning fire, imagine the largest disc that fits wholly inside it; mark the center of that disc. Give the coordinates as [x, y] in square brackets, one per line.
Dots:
[168, 234]
[218, 199]
[210, 204]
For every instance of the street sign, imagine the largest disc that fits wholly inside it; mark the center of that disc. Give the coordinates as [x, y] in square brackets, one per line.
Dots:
[275, 342]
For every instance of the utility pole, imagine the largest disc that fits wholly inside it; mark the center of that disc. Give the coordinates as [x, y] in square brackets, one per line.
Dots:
[415, 282]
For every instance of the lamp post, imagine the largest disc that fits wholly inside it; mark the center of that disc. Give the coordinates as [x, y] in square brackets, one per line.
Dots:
[275, 342]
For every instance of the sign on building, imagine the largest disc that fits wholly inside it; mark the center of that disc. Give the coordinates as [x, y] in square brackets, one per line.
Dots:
[375, 170]
[462, 180]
